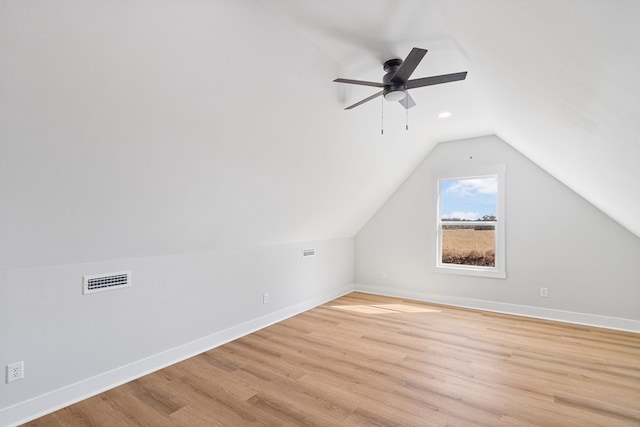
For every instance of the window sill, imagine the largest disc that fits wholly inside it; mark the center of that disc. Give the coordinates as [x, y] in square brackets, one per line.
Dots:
[462, 270]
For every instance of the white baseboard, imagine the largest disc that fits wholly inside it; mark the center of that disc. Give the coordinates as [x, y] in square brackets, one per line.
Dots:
[41, 405]
[628, 325]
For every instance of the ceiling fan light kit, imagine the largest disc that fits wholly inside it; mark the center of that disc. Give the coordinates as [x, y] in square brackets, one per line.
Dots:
[395, 82]
[395, 95]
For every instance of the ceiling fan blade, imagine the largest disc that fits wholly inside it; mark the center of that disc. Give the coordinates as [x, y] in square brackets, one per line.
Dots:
[408, 65]
[375, 95]
[407, 102]
[435, 80]
[359, 82]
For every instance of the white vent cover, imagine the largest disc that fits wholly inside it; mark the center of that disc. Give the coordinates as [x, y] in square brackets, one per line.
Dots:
[105, 282]
[309, 252]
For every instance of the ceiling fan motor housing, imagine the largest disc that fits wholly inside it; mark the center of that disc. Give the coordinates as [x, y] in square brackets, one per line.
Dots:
[390, 67]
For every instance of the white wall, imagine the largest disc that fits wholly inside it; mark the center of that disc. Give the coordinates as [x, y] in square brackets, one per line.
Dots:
[554, 239]
[73, 345]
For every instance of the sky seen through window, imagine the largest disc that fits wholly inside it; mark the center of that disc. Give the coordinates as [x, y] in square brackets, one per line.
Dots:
[469, 199]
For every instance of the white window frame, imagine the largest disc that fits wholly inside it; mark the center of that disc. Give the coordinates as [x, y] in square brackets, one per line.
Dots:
[499, 270]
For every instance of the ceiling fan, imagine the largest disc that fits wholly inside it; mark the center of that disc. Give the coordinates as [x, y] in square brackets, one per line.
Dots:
[395, 82]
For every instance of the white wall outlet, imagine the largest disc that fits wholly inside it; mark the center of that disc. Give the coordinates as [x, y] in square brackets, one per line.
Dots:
[544, 292]
[265, 298]
[15, 371]
[383, 275]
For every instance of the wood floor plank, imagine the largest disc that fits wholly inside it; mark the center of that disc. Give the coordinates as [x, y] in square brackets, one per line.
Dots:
[370, 360]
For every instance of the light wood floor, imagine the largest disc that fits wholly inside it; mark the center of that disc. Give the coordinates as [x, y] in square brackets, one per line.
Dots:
[365, 360]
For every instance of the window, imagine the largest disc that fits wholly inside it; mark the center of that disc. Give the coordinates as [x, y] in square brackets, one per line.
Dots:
[470, 235]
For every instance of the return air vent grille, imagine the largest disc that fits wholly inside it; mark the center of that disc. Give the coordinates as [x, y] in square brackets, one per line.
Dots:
[106, 282]
[309, 252]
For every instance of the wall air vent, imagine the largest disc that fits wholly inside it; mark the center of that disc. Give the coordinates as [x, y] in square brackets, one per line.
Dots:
[105, 282]
[309, 252]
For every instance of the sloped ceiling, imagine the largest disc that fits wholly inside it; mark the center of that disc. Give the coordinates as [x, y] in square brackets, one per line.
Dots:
[146, 127]
[556, 80]
[559, 81]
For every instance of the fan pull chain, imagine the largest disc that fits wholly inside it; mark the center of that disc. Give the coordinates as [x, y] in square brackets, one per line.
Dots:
[406, 125]
[382, 117]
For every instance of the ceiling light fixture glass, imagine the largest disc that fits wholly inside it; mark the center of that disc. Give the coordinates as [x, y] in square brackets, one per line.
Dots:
[396, 95]
[444, 114]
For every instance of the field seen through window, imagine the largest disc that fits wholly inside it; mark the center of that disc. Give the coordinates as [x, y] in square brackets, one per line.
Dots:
[469, 245]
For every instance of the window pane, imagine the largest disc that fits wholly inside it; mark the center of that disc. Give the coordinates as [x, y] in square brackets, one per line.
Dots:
[463, 201]
[469, 245]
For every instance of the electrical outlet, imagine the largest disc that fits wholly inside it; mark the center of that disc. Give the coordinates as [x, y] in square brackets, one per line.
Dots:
[383, 275]
[15, 371]
[544, 292]
[265, 298]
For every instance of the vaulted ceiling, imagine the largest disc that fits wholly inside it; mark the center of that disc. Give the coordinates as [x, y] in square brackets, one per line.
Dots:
[151, 127]
[556, 80]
